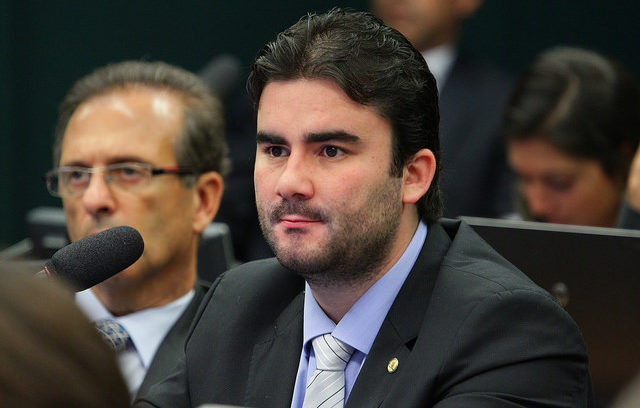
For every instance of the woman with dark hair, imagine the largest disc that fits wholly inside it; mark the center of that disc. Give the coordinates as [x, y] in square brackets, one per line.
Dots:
[572, 127]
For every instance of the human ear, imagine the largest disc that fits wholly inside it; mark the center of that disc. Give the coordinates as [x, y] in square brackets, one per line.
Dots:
[417, 176]
[207, 195]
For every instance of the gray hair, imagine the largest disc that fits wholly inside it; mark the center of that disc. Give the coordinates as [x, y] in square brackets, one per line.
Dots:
[201, 145]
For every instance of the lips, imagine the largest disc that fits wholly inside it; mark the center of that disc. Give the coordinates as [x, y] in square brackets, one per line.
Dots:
[293, 221]
[295, 214]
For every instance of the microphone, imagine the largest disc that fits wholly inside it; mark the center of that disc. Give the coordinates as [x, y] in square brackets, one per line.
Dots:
[96, 258]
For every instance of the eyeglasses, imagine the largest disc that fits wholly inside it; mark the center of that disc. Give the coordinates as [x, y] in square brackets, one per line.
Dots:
[71, 181]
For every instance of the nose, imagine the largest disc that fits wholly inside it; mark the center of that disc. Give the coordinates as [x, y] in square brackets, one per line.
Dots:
[539, 203]
[295, 181]
[98, 197]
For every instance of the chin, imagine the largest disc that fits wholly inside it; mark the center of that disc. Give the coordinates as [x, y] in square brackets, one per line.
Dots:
[301, 248]
[293, 252]
[122, 279]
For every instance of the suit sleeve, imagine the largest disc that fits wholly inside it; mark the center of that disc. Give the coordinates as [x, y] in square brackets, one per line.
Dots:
[516, 348]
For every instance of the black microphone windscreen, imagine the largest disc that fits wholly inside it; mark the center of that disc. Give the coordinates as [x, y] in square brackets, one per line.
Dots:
[98, 257]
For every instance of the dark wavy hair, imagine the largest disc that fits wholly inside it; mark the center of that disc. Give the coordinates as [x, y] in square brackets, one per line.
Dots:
[583, 103]
[375, 66]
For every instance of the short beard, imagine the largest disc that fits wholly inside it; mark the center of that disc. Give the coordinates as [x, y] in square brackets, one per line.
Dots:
[359, 243]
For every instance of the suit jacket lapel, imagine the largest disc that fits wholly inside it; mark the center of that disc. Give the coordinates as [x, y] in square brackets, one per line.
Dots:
[275, 359]
[400, 328]
[173, 343]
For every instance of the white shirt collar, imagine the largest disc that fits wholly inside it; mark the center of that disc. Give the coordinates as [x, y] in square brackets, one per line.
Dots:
[147, 327]
[440, 60]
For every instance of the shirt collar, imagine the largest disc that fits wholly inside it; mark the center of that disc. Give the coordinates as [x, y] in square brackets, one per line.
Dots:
[360, 326]
[440, 59]
[147, 328]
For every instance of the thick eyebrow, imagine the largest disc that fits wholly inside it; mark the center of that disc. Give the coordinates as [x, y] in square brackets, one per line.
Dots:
[268, 138]
[338, 136]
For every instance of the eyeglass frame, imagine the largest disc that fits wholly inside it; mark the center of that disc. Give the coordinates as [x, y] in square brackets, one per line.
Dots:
[153, 171]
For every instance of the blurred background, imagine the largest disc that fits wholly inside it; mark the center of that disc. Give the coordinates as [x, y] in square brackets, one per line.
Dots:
[46, 46]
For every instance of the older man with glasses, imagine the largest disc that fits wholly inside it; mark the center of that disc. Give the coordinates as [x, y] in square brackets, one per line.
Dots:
[119, 128]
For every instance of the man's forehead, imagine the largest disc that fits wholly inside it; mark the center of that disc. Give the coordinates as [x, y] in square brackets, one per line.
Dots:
[315, 106]
[133, 101]
[90, 106]
[126, 123]
[301, 85]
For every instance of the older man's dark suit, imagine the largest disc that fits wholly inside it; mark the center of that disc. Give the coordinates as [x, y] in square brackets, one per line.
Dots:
[173, 343]
[467, 328]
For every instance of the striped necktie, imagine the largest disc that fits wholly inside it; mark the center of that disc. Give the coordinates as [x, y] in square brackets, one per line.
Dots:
[326, 387]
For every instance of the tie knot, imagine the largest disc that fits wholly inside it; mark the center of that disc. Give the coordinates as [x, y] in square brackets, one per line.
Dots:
[114, 334]
[331, 353]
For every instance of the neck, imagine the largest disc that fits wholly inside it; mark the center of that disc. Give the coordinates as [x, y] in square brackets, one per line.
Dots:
[126, 295]
[450, 39]
[336, 298]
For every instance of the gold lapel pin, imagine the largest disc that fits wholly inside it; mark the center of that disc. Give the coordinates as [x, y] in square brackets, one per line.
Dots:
[393, 365]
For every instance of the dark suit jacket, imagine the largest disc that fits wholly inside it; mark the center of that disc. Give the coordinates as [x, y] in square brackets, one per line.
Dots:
[475, 177]
[468, 330]
[173, 343]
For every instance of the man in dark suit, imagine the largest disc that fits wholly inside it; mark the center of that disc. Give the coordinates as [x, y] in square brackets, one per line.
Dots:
[372, 300]
[142, 144]
[476, 180]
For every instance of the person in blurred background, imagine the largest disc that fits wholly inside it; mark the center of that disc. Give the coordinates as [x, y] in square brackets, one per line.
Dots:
[475, 178]
[630, 212]
[572, 127]
[51, 355]
[142, 144]
[226, 76]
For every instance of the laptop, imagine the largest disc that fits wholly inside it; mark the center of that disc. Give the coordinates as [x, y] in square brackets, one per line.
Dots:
[594, 273]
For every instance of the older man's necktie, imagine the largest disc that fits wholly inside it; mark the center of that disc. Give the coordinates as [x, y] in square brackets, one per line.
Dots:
[114, 334]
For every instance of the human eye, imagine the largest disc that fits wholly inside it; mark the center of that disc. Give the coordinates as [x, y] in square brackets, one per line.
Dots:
[74, 176]
[332, 151]
[275, 151]
[562, 184]
[130, 173]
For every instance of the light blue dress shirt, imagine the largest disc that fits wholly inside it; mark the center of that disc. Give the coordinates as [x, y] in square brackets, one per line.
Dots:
[147, 328]
[359, 327]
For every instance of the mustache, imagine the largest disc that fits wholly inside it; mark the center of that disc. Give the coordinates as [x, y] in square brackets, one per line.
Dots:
[298, 208]
[97, 227]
